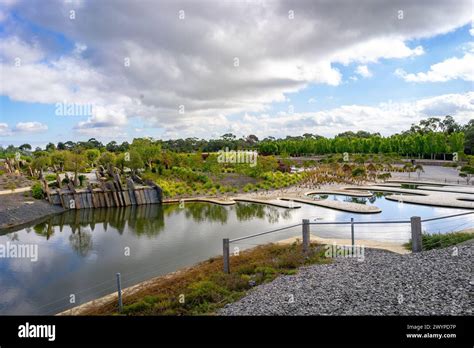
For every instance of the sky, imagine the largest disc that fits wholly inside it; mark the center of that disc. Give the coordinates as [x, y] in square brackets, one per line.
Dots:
[121, 69]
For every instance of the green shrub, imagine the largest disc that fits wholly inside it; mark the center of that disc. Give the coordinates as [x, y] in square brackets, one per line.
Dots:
[246, 269]
[439, 240]
[50, 177]
[82, 179]
[248, 187]
[289, 260]
[205, 291]
[232, 281]
[137, 307]
[37, 191]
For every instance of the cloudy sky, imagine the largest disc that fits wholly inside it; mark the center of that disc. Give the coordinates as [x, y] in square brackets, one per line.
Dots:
[119, 69]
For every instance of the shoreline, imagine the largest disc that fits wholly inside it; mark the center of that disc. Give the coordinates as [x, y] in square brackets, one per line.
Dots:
[85, 308]
[109, 299]
[16, 210]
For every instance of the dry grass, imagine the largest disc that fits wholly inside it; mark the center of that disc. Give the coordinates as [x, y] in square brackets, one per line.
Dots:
[204, 288]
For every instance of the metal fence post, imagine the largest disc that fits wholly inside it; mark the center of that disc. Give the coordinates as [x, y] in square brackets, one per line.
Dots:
[119, 291]
[416, 237]
[225, 247]
[306, 237]
[352, 234]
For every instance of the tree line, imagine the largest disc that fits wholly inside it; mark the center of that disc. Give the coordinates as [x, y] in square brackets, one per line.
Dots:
[431, 138]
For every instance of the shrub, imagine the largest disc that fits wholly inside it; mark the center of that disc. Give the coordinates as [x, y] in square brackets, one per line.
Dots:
[246, 269]
[205, 291]
[50, 177]
[439, 240]
[232, 281]
[248, 187]
[289, 260]
[37, 191]
[82, 179]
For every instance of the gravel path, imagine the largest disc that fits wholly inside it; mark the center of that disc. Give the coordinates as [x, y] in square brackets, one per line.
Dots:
[433, 282]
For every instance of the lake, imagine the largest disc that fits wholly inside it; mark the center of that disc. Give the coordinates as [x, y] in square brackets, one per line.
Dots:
[79, 252]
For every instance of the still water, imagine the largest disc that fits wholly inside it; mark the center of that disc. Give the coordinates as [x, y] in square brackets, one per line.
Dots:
[79, 252]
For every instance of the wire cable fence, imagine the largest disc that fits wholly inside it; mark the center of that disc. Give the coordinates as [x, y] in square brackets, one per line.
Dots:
[393, 231]
[128, 279]
[398, 231]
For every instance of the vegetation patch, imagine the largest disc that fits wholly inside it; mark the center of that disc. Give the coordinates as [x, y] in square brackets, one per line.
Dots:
[37, 191]
[439, 240]
[204, 288]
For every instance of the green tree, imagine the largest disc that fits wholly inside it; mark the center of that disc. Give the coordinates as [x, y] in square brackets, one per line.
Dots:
[92, 155]
[25, 147]
[50, 147]
[456, 142]
[75, 162]
[469, 138]
[58, 158]
[41, 163]
[148, 149]
[136, 161]
[107, 158]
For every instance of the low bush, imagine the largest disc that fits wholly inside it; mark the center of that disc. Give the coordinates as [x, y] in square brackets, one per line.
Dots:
[82, 179]
[50, 177]
[439, 240]
[37, 191]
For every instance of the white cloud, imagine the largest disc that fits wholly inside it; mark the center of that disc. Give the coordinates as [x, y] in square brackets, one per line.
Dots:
[312, 100]
[332, 121]
[4, 129]
[191, 62]
[109, 119]
[363, 71]
[30, 127]
[372, 50]
[14, 51]
[449, 69]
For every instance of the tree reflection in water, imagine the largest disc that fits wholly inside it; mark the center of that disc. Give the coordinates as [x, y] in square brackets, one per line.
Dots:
[44, 229]
[141, 220]
[148, 220]
[200, 212]
[248, 211]
[81, 241]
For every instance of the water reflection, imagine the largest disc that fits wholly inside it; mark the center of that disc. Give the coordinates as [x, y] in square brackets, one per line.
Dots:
[376, 196]
[81, 249]
[207, 212]
[149, 220]
[81, 242]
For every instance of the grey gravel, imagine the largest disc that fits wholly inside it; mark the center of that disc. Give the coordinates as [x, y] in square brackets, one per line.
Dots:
[435, 282]
[17, 210]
